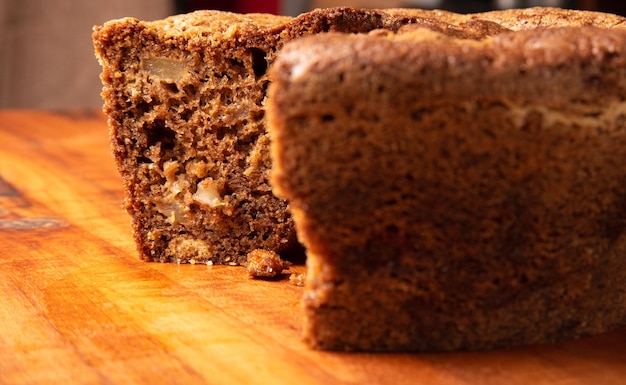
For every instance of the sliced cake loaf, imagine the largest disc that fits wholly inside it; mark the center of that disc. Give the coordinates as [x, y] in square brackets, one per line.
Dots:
[457, 183]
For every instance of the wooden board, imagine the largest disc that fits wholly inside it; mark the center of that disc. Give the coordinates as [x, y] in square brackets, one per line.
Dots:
[77, 305]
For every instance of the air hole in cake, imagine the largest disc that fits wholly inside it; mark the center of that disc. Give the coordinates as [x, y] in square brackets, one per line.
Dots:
[171, 87]
[221, 132]
[159, 133]
[143, 159]
[142, 107]
[236, 63]
[328, 117]
[258, 115]
[174, 104]
[186, 115]
[259, 63]
[190, 90]
[249, 139]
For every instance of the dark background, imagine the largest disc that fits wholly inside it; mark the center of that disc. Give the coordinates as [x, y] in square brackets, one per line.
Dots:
[273, 6]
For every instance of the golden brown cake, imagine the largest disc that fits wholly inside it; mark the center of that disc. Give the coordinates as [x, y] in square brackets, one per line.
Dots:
[457, 190]
[185, 103]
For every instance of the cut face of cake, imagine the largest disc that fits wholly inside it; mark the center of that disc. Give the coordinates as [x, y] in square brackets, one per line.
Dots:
[455, 192]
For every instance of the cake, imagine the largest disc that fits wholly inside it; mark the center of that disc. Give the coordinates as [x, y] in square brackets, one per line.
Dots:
[457, 191]
[457, 173]
[185, 99]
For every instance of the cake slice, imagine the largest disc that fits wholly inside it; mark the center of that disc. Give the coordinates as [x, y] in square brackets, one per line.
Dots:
[457, 190]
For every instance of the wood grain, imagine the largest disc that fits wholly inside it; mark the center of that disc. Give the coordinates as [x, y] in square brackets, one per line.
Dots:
[77, 305]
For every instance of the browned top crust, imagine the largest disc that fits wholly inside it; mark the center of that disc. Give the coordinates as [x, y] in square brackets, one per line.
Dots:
[231, 28]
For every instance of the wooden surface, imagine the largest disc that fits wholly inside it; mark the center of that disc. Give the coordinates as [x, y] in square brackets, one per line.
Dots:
[76, 304]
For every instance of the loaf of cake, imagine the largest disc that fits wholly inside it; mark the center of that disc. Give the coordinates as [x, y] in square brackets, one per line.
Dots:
[457, 189]
[185, 100]
[455, 178]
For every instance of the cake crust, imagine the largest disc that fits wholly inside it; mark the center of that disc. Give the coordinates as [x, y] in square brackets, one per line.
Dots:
[456, 192]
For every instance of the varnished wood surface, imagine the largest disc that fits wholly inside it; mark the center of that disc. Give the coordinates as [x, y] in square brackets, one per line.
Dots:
[78, 306]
